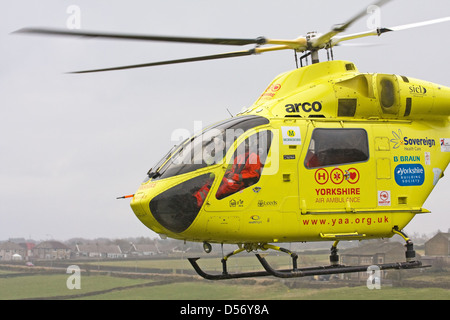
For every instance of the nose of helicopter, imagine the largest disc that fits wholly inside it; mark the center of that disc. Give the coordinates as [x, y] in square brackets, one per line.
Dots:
[169, 206]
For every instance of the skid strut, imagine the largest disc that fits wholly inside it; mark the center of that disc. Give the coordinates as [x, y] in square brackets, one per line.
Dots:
[225, 275]
[410, 254]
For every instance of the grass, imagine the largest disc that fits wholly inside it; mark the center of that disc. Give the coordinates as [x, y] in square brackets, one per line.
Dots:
[221, 291]
[51, 286]
[39, 286]
[104, 287]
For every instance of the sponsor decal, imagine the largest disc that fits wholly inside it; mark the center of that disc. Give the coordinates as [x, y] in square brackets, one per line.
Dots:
[411, 144]
[291, 135]
[315, 106]
[427, 158]
[409, 174]
[236, 203]
[337, 176]
[271, 90]
[256, 189]
[342, 192]
[407, 158]
[321, 176]
[263, 203]
[418, 90]
[437, 174]
[445, 144]
[384, 198]
[147, 186]
[351, 175]
[255, 219]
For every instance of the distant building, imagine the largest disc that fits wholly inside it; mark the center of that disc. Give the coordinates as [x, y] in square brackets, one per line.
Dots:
[439, 245]
[437, 250]
[51, 250]
[372, 253]
[10, 251]
[28, 246]
[109, 251]
[144, 249]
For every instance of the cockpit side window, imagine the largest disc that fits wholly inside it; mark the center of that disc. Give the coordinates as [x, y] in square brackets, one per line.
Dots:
[337, 146]
[207, 148]
[246, 165]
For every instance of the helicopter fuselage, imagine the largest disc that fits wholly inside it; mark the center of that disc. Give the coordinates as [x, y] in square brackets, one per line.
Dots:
[327, 153]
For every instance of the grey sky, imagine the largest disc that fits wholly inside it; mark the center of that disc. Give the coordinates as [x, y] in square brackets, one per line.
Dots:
[69, 144]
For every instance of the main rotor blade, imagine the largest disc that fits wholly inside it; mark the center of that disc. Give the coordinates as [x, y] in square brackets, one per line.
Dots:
[160, 63]
[419, 24]
[380, 31]
[324, 39]
[141, 37]
[194, 59]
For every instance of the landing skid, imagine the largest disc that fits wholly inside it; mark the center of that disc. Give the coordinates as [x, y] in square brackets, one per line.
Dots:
[295, 272]
[225, 275]
[300, 272]
[333, 269]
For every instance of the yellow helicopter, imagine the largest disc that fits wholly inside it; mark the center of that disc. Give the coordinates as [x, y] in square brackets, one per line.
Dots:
[326, 153]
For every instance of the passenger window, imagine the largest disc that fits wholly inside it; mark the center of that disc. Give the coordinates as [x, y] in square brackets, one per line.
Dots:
[337, 146]
[246, 165]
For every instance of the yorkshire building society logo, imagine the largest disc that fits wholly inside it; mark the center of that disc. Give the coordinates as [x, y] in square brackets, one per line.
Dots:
[409, 174]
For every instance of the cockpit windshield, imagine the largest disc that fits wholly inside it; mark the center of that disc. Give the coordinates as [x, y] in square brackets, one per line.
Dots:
[205, 149]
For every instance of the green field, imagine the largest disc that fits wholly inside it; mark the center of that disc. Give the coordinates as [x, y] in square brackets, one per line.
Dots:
[214, 291]
[176, 284]
[93, 287]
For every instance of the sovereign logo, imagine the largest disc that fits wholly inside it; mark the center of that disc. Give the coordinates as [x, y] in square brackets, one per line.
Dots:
[400, 140]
